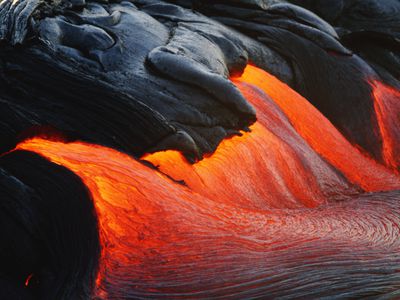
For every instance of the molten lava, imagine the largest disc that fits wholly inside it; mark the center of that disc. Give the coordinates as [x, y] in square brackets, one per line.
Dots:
[319, 133]
[238, 210]
[28, 279]
[387, 107]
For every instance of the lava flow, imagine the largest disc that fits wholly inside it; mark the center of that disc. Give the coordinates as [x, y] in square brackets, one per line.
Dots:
[387, 107]
[250, 219]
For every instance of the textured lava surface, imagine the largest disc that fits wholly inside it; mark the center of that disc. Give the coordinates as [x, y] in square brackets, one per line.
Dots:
[289, 209]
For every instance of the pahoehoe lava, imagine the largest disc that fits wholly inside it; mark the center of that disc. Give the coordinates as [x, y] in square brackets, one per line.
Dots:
[242, 149]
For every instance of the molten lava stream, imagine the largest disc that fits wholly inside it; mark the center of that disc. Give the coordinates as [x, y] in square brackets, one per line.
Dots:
[243, 224]
[319, 133]
[387, 107]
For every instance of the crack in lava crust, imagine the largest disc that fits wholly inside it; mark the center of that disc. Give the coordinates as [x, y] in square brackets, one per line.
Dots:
[264, 210]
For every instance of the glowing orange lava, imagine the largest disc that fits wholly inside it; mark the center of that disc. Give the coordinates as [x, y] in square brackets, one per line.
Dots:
[270, 173]
[387, 107]
[319, 133]
[156, 232]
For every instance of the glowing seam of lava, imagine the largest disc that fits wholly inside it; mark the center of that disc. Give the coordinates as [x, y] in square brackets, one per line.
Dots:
[387, 101]
[28, 279]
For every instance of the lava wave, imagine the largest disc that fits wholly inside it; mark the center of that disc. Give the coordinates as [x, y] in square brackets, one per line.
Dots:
[289, 198]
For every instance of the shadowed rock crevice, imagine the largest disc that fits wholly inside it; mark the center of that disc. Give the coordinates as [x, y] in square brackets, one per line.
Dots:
[49, 235]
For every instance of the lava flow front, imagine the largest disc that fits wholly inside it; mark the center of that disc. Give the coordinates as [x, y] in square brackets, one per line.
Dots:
[251, 219]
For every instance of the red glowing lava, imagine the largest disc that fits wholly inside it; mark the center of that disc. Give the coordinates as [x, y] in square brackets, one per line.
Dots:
[28, 279]
[319, 133]
[387, 107]
[158, 235]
